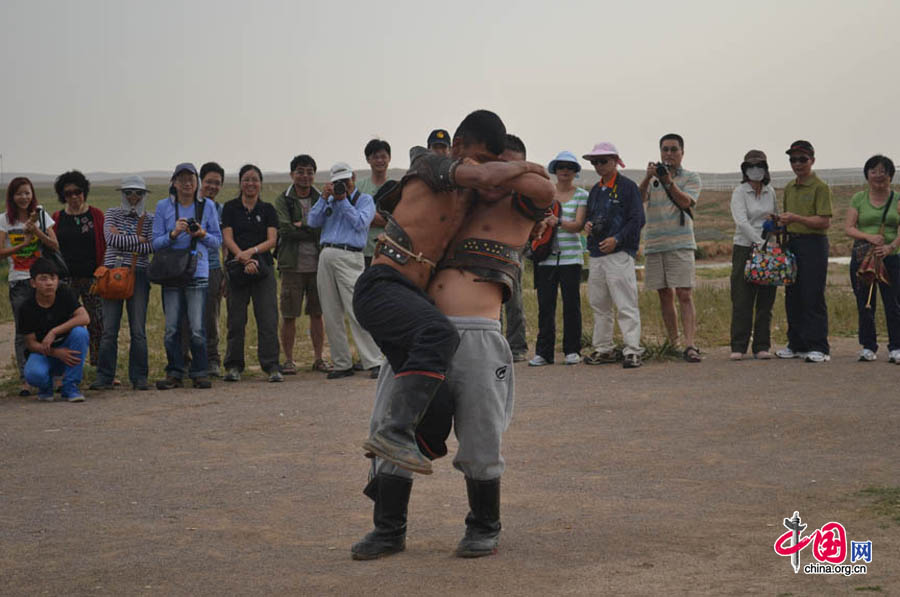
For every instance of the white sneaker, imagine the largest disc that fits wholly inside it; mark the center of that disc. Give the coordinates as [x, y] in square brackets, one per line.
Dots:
[787, 353]
[867, 355]
[817, 357]
[538, 361]
[894, 357]
[573, 358]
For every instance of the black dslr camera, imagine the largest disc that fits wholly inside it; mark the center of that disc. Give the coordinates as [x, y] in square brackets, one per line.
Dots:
[661, 170]
[193, 225]
[340, 188]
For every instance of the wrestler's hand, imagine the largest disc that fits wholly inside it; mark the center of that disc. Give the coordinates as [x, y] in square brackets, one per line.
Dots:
[537, 169]
[538, 229]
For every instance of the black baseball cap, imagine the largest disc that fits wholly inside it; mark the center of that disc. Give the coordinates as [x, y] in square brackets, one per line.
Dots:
[802, 146]
[438, 136]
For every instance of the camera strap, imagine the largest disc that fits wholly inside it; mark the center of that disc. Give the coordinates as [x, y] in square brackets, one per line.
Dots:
[683, 210]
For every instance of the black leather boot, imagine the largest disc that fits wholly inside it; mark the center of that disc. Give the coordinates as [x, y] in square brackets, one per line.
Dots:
[395, 437]
[391, 496]
[483, 521]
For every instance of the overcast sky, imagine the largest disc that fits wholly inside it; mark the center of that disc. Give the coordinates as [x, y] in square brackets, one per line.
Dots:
[122, 86]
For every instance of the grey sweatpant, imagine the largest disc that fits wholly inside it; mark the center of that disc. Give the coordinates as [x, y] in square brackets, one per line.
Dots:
[480, 382]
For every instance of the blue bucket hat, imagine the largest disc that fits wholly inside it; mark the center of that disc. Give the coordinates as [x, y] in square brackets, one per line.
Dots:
[564, 156]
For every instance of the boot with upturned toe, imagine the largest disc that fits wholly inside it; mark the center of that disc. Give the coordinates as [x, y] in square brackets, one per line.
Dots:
[394, 438]
[391, 496]
[483, 521]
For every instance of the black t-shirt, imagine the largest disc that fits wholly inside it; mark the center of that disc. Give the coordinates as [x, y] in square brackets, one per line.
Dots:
[249, 228]
[76, 243]
[34, 319]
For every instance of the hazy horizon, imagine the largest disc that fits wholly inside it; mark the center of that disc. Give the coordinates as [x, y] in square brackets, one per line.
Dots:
[129, 87]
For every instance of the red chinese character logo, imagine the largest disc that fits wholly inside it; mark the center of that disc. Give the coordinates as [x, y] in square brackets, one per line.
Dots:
[830, 543]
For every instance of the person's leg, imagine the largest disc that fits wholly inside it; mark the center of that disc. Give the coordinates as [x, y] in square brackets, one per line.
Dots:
[601, 306]
[570, 285]
[688, 315]
[37, 373]
[762, 327]
[546, 281]
[742, 298]
[793, 301]
[94, 308]
[19, 293]
[347, 271]
[669, 315]
[78, 339]
[109, 342]
[291, 298]
[332, 311]
[515, 321]
[890, 296]
[484, 399]
[236, 307]
[211, 319]
[622, 284]
[195, 300]
[265, 309]
[865, 316]
[173, 306]
[815, 329]
[138, 366]
[314, 311]
[184, 339]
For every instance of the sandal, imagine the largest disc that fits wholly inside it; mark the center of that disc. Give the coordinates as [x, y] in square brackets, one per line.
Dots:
[321, 365]
[692, 354]
[289, 368]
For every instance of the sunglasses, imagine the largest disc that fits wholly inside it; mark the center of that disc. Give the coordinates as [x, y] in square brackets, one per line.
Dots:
[800, 159]
[566, 166]
[598, 161]
[73, 193]
[133, 193]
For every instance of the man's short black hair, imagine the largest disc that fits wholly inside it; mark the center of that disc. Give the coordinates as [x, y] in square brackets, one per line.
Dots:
[879, 160]
[303, 160]
[71, 177]
[513, 143]
[377, 145]
[672, 137]
[42, 265]
[212, 167]
[483, 126]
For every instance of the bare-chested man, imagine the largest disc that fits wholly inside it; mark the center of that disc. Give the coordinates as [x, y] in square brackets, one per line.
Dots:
[473, 280]
[389, 298]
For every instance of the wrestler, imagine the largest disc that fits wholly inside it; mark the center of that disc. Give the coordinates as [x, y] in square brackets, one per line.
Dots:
[472, 282]
[389, 299]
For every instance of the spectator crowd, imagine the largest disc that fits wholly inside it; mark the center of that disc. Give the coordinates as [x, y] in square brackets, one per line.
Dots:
[73, 273]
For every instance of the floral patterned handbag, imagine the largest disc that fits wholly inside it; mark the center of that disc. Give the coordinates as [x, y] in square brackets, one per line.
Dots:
[771, 265]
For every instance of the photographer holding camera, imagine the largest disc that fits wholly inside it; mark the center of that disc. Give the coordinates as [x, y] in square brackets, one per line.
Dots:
[670, 192]
[344, 214]
[614, 221]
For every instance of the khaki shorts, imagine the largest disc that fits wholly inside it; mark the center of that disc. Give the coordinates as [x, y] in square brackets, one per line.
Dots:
[294, 286]
[669, 269]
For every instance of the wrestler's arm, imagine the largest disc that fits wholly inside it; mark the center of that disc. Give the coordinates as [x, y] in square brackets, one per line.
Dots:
[486, 176]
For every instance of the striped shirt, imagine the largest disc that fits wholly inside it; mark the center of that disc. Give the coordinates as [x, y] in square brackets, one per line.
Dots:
[571, 251]
[119, 247]
[664, 231]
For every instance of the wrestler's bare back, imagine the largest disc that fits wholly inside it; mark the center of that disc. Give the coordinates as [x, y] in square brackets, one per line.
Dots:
[431, 220]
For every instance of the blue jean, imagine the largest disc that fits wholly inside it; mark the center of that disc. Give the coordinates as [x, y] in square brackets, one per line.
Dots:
[40, 370]
[191, 300]
[136, 307]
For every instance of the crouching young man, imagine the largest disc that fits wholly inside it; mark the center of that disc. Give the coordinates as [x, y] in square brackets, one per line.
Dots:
[56, 338]
[476, 276]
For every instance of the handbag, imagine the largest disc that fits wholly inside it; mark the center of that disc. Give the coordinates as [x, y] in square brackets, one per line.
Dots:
[52, 254]
[871, 265]
[238, 277]
[542, 246]
[117, 283]
[771, 265]
[176, 267]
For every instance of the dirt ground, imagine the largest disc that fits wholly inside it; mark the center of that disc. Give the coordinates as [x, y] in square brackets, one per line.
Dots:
[670, 479]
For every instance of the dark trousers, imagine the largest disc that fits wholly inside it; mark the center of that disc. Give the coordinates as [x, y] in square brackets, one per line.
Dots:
[265, 308]
[19, 293]
[890, 295]
[804, 300]
[745, 298]
[547, 279]
[411, 332]
[515, 320]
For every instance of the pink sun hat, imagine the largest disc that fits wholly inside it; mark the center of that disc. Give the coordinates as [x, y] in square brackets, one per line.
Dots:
[604, 148]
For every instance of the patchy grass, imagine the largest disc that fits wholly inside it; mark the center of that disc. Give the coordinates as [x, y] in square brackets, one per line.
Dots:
[885, 502]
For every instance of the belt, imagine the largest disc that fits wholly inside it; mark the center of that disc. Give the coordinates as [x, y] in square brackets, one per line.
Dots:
[341, 246]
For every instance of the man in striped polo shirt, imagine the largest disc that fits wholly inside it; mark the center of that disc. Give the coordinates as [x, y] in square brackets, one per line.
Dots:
[670, 192]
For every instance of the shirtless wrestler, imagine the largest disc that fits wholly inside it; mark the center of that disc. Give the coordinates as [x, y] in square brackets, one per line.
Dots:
[389, 299]
[473, 280]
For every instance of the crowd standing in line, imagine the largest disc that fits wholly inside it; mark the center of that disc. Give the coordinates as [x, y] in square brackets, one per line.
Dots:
[323, 242]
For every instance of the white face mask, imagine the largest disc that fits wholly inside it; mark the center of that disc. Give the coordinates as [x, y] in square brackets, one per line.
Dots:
[756, 173]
